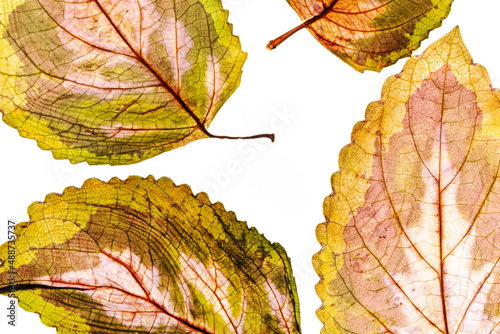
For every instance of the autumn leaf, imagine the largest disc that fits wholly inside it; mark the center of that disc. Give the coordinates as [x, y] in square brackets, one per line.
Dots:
[366, 34]
[411, 242]
[115, 81]
[146, 256]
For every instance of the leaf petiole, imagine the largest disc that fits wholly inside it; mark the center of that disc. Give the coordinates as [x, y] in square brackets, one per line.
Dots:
[264, 135]
[276, 42]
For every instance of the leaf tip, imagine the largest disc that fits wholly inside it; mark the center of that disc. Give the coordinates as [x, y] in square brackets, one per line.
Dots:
[454, 34]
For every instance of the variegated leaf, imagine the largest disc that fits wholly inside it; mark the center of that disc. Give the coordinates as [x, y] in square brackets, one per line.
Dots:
[411, 242]
[115, 81]
[368, 34]
[146, 256]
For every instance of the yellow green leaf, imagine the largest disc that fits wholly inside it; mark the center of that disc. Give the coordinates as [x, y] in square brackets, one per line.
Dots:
[147, 256]
[115, 82]
[411, 242]
[366, 34]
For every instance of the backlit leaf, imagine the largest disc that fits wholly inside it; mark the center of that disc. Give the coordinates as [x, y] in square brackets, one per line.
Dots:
[146, 256]
[115, 81]
[411, 242]
[369, 34]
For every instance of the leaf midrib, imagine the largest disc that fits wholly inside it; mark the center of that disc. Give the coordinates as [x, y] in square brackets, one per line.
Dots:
[162, 81]
[33, 286]
[440, 206]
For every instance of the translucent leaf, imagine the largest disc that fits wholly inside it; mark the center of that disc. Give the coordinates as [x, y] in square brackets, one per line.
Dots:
[369, 34]
[115, 81]
[411, 242]
[146, 256]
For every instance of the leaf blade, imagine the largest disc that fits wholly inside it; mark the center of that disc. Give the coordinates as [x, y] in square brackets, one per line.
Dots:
[116, 82]
[403, 245]
[369, 35]
[148, 256]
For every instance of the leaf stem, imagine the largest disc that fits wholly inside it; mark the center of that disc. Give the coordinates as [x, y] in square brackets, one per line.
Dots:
[276, 42]
[264, 135]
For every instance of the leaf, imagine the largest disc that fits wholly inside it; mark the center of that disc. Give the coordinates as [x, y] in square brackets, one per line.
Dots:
[411, 242]
[147, 256]
[366, 34]
[115, 81]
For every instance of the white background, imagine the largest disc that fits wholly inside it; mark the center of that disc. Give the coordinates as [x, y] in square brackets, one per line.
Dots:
[301, 91]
